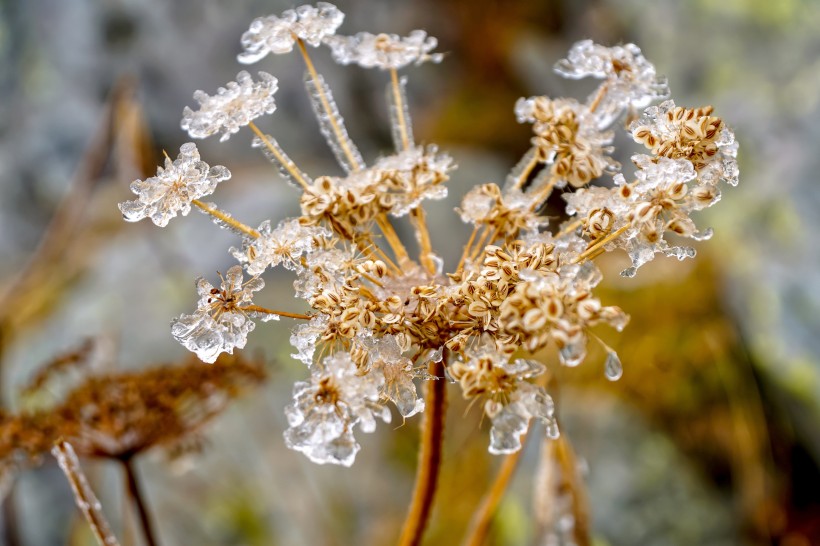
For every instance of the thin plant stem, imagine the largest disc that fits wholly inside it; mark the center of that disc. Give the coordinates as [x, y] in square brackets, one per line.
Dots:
[525, 174]
[423, 234]
[599, 97]
[593, 250]
[544, 193]
[278, 155]
[351, 157]
[286, 314]
[569, 228]
[432, 436]
[139, 501]
[565, 456]
[83, 494]
[483, 517]
[397, 98]
[467, 248]
[218, 214]
[392, 238]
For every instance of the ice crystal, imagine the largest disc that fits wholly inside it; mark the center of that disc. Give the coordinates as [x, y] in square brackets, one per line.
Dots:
[222, 319]
[172, 190]
[384, 51]
[326, 409]
[332, 125]
[232, 107]
[384, 356]
[278, 34]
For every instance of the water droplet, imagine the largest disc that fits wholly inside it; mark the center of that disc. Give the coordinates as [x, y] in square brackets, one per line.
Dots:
[613, 367]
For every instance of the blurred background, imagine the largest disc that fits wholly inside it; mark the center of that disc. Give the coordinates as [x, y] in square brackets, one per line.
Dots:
[712, 436]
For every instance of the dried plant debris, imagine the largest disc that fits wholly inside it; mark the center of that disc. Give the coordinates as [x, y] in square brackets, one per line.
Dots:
[120, 415]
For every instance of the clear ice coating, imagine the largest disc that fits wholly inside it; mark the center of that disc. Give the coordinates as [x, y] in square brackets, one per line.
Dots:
[175, 186]
[384, 51]
[512, 419]
[384, 356]
[222, 319]
[332, 125]
[278, 34]
[287, 168]
[401, 126]
[232, 107]
[326, 409]
[631, 80]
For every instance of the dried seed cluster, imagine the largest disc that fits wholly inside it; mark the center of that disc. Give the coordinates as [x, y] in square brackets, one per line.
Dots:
[378, 318]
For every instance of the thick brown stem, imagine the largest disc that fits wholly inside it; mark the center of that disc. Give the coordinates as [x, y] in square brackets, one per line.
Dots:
[139, 501]
[481, 520]
[429, 460]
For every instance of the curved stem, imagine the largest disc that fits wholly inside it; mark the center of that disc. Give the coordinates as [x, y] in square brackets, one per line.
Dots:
[142, 508]
[481, 520]
[429, 460]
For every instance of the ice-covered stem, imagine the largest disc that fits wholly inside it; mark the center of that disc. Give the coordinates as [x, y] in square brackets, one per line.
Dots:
[329, 114]
[521, 172]
[568, 465]
[398, 112]
[432, 435]
[283, 160]
[393, 239]
[595, 249]
[136, 495]
[225, 218]
[569, 228]
[599, 96]
[480, 522]
[266, 311]
[83, 494]
[423, 235]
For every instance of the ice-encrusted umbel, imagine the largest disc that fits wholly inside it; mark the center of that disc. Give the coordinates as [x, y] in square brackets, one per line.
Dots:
[511, 401]
[384, 51]
[222, 319]
[631, 80]
[278, 34]
[172, 190]
[232, 107]
[283, 245]
[327, 408]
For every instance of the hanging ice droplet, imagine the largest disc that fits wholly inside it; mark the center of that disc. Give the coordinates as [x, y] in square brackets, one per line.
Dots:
[552, 430]
[613, 369]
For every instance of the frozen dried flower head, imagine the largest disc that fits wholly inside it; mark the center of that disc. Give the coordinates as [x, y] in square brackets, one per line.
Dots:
[631, 80]
[379, 318]
[278, 34]
[222, 319]
[234, 106]
[174, 188]
[384, 51]
[326, 409]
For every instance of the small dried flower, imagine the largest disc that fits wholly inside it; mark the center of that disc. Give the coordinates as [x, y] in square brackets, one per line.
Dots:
[222, 319]
[384, 51]
[234, 106]
[174, 187]
[326, 409]
[278, 34]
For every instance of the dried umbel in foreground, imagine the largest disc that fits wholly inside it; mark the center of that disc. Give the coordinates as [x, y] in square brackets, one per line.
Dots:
[380, 320]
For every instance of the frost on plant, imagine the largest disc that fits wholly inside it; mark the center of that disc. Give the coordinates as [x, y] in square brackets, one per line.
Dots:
[232, 107]
[222, 319]
[172, 190]
[380, 321]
